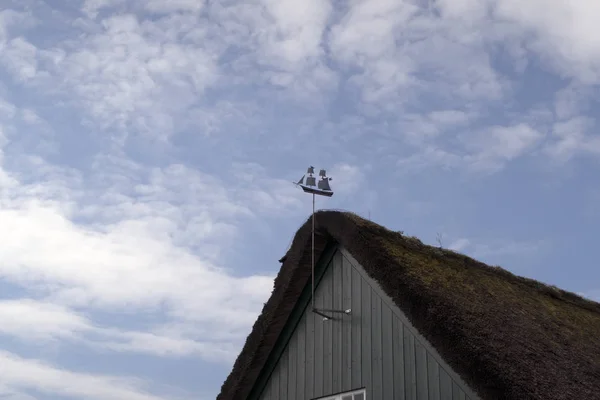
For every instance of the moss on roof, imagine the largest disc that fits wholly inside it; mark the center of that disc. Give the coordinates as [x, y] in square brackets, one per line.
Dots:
[508, 337]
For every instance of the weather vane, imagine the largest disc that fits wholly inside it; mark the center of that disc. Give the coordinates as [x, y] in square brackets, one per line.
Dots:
[321, 188]
[311, 186]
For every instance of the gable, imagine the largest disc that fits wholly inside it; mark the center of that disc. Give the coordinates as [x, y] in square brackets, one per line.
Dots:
[375, 347]
[508, 336]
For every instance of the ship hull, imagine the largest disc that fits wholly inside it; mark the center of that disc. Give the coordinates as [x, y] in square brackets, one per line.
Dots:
[308, 189]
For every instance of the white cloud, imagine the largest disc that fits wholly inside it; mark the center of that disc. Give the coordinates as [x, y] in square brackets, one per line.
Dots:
[423, 129]
[505, 248]
[11, 19]
[11, 394]
[449, 117]
[467, 10]
[264, 194]
[39, 322]
[127, 72]
[565, 34]
[494, 249]
[20, 374]
[346, 178]
[404, 53]
[7, 110]
[430, 156]
[494, 146]
[365, 37]
[486, 150]
[134, 71]
[131, 261]
[398, 52]
[166, 7]
[592, 295]
[571, 137]
[459, 244]
[31, 117]
[20, 58]
[294, 38]
[169, 346]
[284, 39]
[125, 239]
[92, 7]
[32, 320]
[572, 101]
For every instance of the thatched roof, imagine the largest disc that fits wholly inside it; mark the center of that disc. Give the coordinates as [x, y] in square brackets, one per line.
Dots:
[508, 337]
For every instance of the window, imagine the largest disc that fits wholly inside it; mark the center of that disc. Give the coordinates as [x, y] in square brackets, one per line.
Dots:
[353, 395]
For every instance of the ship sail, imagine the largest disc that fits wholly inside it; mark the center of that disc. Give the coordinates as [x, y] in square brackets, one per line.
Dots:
[308, 183]
[324, 184]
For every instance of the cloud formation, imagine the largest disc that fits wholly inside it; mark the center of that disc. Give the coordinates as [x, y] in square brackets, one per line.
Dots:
[147, 151]
[24, 373]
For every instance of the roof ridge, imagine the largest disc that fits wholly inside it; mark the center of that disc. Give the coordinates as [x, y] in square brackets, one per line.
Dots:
[416, 243]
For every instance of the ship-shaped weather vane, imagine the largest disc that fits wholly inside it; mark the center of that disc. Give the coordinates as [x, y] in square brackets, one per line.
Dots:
[311, 186]
[322, 188]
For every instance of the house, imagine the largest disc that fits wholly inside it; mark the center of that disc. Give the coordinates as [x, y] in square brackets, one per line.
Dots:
[424, 323]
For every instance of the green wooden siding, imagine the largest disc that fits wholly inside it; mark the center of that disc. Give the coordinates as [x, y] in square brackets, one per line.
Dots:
[376, 347]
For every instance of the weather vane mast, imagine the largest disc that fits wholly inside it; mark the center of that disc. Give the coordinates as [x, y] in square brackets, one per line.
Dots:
[321, 188]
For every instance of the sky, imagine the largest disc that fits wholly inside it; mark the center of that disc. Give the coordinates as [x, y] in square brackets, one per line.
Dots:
[147, 150]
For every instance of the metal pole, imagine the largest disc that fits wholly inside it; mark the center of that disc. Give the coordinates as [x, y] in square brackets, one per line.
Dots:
[313, 251]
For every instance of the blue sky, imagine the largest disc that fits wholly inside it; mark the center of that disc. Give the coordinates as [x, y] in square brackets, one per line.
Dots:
[147, 150]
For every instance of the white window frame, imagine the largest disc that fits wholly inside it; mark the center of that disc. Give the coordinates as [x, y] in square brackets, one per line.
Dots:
[339, 396]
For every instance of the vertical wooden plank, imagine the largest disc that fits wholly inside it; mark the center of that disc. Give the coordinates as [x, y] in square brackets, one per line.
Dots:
[410, 378]
[430, 386]
[455, 391]
[266, 394]
[336, 340]
[309, 371]
[283, 374]
[319, 348]
[376, 357]
[347, 325]
[292, 366]
[292, 351]
[274, 386]
[356, 330]
[445, 385]
[421, 358]
[398, 351]
[387, 348]
[275, 383]
[366, 338]
[327, 332]
[270, 395]
[433, 377]
[301, 359]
